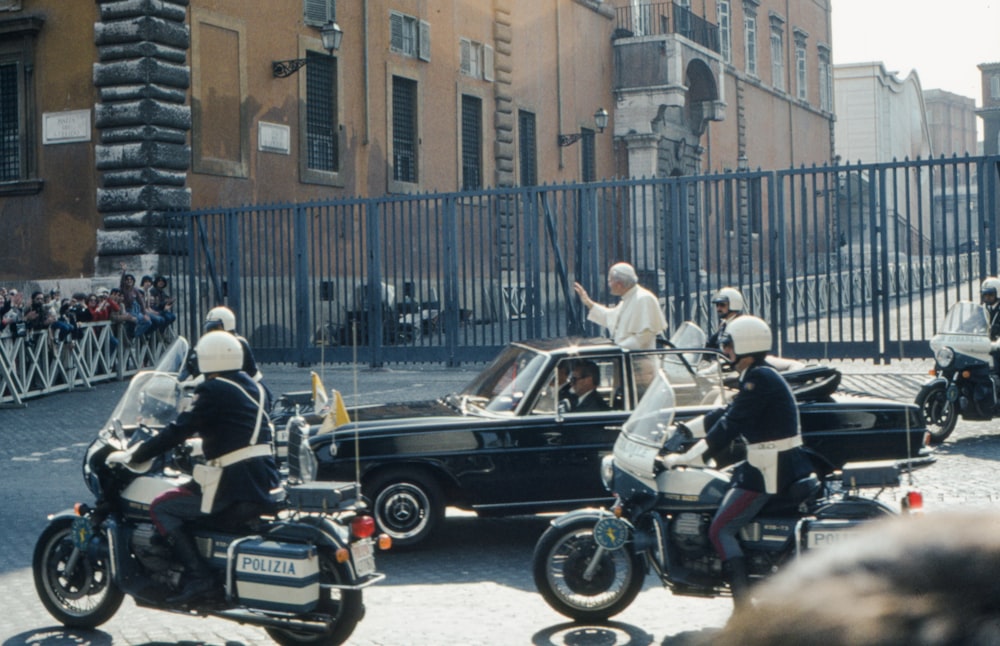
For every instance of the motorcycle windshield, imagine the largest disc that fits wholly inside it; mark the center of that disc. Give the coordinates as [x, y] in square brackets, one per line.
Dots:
[966, 317]
[152, 399]
[649, 423]
[174, 358]
[688, 335]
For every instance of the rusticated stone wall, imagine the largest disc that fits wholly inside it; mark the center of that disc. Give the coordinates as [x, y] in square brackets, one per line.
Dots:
[142, 120]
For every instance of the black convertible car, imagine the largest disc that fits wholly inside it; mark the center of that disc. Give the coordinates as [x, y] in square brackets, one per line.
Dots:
[510, 442]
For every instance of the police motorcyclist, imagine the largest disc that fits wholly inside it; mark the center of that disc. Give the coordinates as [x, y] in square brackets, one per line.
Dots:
[765, 414]
[229, 413]
[222, 318]
[989, 293]
[729, 304]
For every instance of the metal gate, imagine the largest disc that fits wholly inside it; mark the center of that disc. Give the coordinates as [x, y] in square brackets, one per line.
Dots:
[844, 261]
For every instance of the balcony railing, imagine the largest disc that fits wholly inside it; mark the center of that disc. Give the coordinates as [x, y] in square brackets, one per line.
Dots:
[663, 18]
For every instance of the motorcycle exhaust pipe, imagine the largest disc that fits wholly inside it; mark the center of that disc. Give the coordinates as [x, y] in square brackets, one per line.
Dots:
[254, 619]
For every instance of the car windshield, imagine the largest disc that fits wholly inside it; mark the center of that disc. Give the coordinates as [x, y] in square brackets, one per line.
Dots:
[966, 317]
[504, 383]
[650, 422]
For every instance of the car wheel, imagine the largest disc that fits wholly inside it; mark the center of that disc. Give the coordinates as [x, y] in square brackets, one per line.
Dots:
[408, 505]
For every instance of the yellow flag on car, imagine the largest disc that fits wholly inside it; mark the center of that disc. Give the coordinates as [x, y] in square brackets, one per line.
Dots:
[320, 400]
[338, 414]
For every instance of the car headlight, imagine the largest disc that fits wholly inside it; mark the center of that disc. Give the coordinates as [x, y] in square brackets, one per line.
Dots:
[608, 471]
[944, 357]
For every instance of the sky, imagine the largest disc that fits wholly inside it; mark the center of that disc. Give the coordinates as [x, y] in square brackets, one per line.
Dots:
[943, 41]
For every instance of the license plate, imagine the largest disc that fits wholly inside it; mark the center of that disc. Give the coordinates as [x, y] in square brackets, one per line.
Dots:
[363, 555]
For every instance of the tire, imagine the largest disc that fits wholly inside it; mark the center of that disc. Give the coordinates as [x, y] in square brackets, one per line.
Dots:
[408, 505]
[88, 597]
[939, 414]
[345, 609]
[561, 556]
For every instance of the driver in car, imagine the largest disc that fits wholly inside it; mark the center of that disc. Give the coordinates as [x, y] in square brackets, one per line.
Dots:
[229, 414]
[765, 414]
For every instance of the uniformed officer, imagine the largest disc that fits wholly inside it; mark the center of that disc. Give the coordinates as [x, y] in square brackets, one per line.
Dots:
[229, 414]
[765, 414]
[729, 304]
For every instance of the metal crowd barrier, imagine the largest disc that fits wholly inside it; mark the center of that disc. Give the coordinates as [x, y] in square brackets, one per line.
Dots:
[39, 364]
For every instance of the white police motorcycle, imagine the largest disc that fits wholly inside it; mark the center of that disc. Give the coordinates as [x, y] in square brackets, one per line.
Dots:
[590, 564]
[296, 567]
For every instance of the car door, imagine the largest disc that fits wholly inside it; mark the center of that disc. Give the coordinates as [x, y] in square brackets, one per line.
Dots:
[555, 452]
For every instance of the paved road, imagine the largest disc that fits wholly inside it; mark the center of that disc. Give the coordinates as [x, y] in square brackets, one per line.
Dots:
[472, 587]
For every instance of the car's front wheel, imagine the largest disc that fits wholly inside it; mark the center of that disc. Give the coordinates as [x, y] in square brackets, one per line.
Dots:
[408, 505]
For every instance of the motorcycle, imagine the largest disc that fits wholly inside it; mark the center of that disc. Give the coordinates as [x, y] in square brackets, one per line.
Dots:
[965, 382]
[295, 567]
[590, 564]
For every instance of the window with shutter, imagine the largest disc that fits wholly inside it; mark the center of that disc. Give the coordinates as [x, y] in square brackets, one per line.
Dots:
[425, 41]
[487, 63]
[319, 12]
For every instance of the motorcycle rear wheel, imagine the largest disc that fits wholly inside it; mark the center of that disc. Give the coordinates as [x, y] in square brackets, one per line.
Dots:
[939, 414]
[345, 608]
[83, 598]
[561, 557]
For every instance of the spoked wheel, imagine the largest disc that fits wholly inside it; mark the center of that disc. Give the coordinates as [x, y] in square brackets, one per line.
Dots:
[560, 567]
[939, 414]
[343, 609]
[75, 589]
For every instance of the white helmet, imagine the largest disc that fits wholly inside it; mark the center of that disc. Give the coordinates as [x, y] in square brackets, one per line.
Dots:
[731, 297]
[218, 352]
[220, 318]
[748, 335]
[991, 287]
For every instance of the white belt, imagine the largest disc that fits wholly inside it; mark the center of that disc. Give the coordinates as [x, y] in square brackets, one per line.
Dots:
[777, 445]
[247, 452]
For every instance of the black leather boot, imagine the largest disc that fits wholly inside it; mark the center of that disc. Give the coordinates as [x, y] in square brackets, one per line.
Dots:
[197, 582]
[735, 570]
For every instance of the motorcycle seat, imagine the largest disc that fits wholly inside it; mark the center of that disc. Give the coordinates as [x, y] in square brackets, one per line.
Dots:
[793, 495]
[238, 516]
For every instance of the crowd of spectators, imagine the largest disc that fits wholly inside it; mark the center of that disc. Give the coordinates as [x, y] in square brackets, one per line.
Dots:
[141, 310]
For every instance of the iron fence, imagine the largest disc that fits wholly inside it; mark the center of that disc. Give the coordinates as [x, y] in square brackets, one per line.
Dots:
[844, 261]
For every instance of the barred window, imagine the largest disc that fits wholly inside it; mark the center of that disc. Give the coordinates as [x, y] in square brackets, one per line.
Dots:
[404, 129]
[472, 142]
[10, 124]
[589, 152]
[321, 113]
[528, 152]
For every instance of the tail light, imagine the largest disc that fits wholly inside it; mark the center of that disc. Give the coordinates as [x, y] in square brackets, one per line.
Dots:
[384, 542]
[912, 502]
[362, 526]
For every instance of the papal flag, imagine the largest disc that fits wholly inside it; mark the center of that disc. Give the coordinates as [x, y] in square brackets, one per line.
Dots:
[338, 414]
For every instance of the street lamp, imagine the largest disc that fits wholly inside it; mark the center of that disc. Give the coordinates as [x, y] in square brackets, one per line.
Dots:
[600, 120]
[331, 34]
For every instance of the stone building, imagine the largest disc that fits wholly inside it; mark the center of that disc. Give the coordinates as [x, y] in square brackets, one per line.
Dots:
[990, 112]
[117, 112]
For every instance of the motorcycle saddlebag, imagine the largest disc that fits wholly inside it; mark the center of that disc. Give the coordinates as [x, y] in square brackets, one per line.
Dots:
[269, 575]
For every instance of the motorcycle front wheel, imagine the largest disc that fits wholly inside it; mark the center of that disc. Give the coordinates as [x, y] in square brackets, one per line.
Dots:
[81, 596]
[342, 610]
[939, 414]
[562, 557]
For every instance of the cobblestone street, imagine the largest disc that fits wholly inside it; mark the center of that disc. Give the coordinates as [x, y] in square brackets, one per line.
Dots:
[473, 586]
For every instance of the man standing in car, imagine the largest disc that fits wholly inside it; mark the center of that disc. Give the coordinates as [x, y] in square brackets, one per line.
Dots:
[637, 319]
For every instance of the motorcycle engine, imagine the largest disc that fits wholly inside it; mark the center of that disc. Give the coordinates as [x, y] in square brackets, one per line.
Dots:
[150, 549]
[689, 532]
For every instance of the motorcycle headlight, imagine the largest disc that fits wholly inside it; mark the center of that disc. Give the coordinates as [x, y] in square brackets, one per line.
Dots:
[944, 357]
[608, 471]
[308, 465]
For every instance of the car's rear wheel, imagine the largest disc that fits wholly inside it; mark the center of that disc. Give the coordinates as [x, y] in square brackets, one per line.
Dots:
[408, 505]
